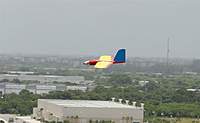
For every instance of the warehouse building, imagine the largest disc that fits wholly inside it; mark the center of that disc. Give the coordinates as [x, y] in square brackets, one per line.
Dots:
[88, 111]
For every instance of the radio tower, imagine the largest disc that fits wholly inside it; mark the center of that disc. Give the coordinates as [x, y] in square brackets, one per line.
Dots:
[168, 51]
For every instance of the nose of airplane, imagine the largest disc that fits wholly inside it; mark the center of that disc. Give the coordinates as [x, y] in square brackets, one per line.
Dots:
[86, 62]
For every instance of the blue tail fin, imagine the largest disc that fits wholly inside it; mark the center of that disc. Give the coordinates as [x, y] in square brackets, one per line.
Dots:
[120, 57]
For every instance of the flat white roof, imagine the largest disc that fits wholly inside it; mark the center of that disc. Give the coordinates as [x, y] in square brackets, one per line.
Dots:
[7, 116]
[28, 119]
[87, 103]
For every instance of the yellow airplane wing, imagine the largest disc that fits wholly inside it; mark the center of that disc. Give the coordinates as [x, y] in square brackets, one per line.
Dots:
[105, 58]
[103, 64]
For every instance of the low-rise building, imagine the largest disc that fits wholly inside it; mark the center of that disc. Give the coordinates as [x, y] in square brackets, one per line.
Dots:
[14, 88]
[81, 88]
[7, 88]
[143, 83]
[42, 89]
[193, 90]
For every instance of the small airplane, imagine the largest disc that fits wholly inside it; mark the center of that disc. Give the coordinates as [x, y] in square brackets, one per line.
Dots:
[106, 61]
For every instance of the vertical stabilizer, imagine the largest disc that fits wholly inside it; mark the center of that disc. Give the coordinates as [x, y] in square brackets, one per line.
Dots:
[120, 57]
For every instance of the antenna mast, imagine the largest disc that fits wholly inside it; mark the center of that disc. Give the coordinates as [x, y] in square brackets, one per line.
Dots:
[168, 51]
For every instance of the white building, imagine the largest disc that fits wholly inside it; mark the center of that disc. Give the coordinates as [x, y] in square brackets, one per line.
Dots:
[14, 88]
[81, 88]
[20, 72]
[193, 90]
[42, 89]
[2, 88]
[143, 83]
[87, 111]
[7, 88]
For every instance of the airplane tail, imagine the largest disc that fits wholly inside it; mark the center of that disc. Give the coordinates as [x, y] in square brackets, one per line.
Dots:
[120, 57]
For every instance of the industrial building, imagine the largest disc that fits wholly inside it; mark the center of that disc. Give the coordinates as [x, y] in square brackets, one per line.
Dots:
[88, 111]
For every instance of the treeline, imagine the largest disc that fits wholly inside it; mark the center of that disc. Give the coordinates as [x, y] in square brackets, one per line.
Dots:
[18, 104]
[148, 66]
[175, 110]
[176, 104]
[163, 96]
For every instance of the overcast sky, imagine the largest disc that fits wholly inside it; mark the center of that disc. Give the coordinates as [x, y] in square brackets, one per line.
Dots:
[98, 27]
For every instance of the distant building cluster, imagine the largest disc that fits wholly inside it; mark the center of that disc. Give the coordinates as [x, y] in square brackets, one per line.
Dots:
[7, 88]
[44, 78]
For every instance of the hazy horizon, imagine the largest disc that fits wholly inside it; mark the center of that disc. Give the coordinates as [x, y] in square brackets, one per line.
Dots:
[98, 27]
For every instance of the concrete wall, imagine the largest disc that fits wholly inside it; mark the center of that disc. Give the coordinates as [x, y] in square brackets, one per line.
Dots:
[50, 110]
[116, 114]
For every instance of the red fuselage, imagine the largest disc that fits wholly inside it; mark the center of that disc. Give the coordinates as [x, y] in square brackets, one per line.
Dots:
[94, 62]
[91, 62]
